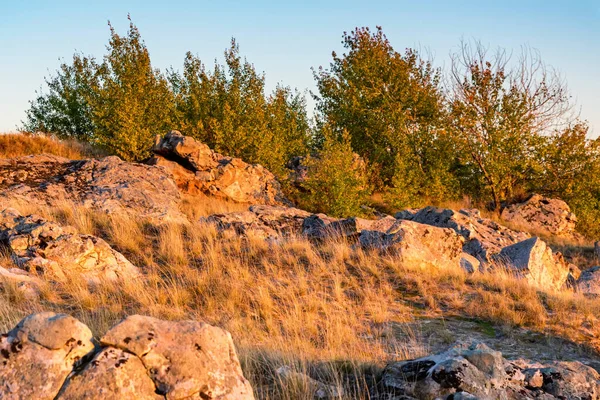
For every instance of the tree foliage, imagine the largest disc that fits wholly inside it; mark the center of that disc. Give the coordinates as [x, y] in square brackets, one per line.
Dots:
[227, 108]
[337, 181]
[499, 115]
[64, 109]
[391, 105]
[385, 121]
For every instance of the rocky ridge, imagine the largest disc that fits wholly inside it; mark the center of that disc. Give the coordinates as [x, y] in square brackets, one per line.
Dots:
[107, 184]
[198, 169]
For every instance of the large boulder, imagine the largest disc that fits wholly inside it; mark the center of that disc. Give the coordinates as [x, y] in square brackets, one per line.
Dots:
[417, 244]
[46, 248]
[198, 169]
[184, 359]
[589, 281]
[542, 215]
[483, 237]
[39, 353]
[471, 370]
[52, 356]
[535, 261]
[108, 184]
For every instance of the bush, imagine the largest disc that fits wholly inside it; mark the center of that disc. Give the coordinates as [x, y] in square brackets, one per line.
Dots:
[337, 181]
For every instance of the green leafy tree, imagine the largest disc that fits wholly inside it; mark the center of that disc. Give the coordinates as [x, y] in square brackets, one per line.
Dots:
[64, 109]
[132, 102]
[498, 116]
[228, 109]
[391, 105]
[120, 104]
[337, 180]
[570, 170]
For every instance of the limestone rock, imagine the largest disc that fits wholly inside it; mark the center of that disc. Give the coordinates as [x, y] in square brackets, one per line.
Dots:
[108, 184]
[483, 237]
[589, 281]
[28, 285]
[543, 215]
[183, 359]
[318, 389]
[198, 169]
[474, 371]
[418, 244]
[39, 353]
[113, 374]
[535, 261]
[264, 221]
[43, 247]
[52, 356]
[469, 263]
[470, 367]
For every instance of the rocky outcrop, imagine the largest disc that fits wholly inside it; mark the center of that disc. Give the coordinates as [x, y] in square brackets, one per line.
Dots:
[589, 281]
[417, 244]
[474, 371]
[535, 261]
[52, 356]
[542, 215]
[198, 169]
[267, 222]
[483, 237]
[45, 248]
[108, 184]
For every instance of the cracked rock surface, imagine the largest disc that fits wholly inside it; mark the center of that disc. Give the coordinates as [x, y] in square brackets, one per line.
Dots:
[52, 356]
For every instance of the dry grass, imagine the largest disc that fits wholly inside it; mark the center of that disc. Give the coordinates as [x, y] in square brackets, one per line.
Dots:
[23, 144]
[326, 309]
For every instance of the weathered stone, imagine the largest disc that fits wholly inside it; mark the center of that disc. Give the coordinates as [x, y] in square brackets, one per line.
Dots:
[46, 248]
[475, 371]
[469, 263]
[26, 284]
[483, 237]
[535, 261]
[261, 221]
[197, 169]
[418, 244]
[319, 390]
[542, 215]
[113, 374]
[571, 380]
[108, 184]
[183, 359]
[39, 353]
[589, 281]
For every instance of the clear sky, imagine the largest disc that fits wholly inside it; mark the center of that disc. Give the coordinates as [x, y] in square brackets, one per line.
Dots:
[286, 39]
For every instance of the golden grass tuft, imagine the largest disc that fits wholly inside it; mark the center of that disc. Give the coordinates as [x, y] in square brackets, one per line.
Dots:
[24, 144]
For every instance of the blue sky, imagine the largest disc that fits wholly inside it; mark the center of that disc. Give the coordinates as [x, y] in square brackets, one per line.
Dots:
[286, 40]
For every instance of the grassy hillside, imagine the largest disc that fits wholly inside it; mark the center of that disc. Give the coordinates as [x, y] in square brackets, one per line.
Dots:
[338, 312]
